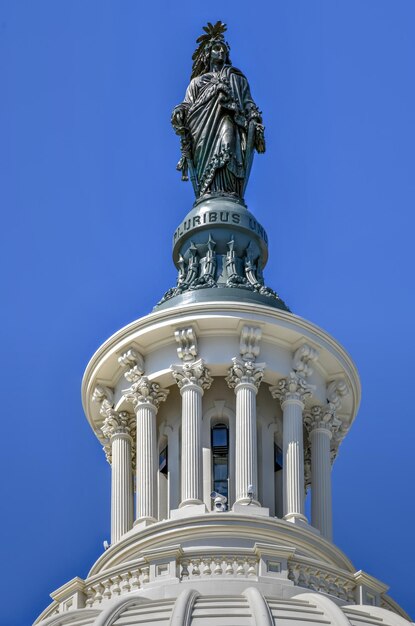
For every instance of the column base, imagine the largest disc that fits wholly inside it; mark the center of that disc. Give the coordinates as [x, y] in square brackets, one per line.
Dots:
[190, 503]
[247, 502]
[248, 509]
[189, 510]
[143, 522]
[296, 518]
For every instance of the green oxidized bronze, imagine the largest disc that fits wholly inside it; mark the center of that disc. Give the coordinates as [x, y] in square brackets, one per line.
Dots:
[218, 122]
[219, 249]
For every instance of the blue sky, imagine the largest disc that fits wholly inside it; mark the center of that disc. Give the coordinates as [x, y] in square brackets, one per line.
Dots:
[90, 199]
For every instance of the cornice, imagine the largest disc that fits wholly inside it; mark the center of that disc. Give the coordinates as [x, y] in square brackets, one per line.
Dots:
[229, 525]
[239, 313]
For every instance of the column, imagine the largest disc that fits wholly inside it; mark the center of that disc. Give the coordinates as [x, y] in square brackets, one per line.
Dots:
[245, 377]
[192, 378]
[320, 424]
[146, 396]
[292, 392]
[119, 429]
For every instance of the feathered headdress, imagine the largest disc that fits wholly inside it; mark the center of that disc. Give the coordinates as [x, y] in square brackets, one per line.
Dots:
[201, 55]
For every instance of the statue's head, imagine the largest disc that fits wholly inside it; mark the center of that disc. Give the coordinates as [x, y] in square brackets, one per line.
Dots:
[211, 45]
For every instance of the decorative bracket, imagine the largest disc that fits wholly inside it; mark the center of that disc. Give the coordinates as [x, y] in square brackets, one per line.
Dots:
[134, 362]
[187, 340]
[303, 357]
[249, 347]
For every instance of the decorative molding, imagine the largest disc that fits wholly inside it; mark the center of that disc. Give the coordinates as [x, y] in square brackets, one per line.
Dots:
[247, 372]
[192, 373]
[336, 390]
[302, 359]
[249, 344]
[104, 396]
[144, 392]
[201, 268]
[321, 417]
[187, 340]
[134, 363]
[292, 388]
[119, 423]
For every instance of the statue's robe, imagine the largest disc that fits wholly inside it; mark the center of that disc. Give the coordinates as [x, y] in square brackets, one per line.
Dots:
[218, 128]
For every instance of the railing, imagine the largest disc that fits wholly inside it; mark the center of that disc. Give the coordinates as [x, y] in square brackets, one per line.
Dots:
[218, 565]
[117, 585]
[319, 578]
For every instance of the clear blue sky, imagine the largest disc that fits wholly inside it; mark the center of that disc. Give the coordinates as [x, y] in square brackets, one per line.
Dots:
[90, 199]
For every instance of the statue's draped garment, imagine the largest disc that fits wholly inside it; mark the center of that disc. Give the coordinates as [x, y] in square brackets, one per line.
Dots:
[217, 124]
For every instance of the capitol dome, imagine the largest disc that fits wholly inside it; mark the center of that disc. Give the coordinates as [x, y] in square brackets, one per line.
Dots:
[218, 412]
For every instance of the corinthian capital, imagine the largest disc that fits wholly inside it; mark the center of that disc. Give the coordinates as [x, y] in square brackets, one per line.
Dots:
[192, 373]
[245, 372]
[118, 423]
[322, 417]
[144, 392]
[293, 388]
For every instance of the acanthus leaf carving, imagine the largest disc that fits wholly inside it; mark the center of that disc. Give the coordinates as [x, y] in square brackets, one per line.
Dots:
[245, 372]
[293, 387]
[192, 373]
[118, 423]
[143, 391]
[321, 417]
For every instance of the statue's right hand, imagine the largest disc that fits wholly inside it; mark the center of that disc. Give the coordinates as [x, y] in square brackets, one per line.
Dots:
[178, 117]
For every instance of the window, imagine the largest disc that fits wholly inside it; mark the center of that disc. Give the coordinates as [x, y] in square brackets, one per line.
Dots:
[220, 459]
[277, 458]
[163, 467]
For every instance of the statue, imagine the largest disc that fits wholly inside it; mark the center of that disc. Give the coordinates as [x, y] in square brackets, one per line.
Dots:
[218, 122]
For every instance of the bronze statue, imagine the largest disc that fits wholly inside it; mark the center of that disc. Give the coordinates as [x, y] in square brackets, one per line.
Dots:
[218, 122]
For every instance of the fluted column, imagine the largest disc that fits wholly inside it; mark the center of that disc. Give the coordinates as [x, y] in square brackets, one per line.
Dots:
[119, 428]
[292, 392]
[146, 396]
[245, 377]
[192, 378]
[321, 423]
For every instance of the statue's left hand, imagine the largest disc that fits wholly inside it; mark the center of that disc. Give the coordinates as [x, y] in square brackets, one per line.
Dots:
[259, 138]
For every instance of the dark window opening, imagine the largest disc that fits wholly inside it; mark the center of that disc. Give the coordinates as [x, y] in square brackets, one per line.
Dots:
[277, 458]
[163, 458]
[220, 459]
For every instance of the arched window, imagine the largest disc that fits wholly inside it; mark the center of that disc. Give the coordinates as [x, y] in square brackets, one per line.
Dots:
[220, 459]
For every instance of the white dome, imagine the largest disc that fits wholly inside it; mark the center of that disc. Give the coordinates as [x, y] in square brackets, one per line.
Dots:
[250, 608]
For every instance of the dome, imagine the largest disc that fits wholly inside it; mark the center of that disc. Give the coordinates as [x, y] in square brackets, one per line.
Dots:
[249, 608]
